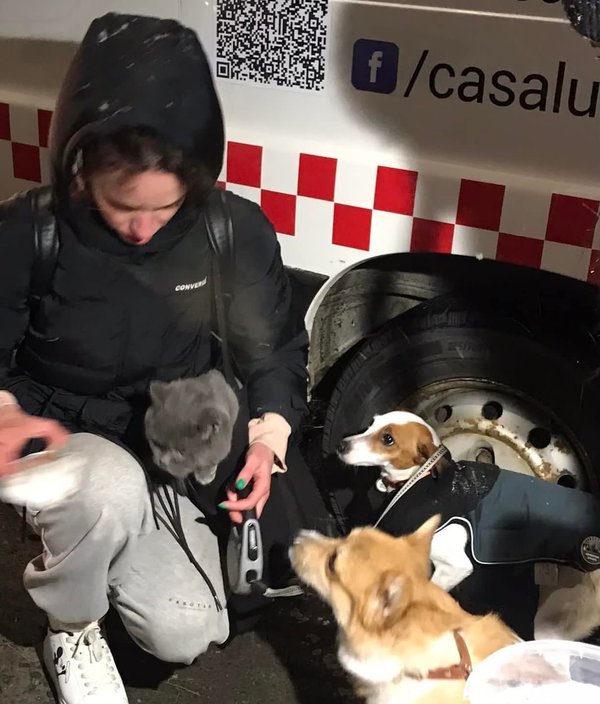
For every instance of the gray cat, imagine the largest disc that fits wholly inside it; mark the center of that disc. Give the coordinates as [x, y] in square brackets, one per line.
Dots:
[189, 424]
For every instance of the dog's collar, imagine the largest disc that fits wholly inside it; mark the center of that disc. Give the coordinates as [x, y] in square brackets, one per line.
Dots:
[430, 466]
[387, 484]
[458, 671]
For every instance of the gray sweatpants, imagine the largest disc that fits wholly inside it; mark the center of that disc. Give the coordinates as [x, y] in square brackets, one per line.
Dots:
[102, 545]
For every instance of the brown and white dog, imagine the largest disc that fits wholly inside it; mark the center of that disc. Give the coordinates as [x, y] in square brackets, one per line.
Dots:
[399, 443]
[402, 637]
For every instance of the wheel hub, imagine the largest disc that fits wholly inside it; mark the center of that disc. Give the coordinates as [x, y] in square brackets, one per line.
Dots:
[481, 422]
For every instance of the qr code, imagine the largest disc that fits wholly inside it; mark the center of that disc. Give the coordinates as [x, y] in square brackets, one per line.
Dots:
[273, 42]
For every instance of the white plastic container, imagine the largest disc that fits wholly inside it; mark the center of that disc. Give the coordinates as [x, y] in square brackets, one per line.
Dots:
[537, 672]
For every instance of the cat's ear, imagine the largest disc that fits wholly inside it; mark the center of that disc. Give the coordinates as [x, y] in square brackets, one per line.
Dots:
[215, 376]
[207, 429]
[234, 405]
[158, 391]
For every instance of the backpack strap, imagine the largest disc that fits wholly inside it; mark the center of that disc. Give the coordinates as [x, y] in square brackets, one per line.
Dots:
[219, 226]
[46, 244]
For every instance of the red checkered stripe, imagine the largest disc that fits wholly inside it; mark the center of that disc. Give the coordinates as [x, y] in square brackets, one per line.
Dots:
[330, 212]
[368, 208]
[24, 133]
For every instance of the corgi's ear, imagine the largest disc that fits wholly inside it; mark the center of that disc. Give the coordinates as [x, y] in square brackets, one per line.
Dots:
[424, 534]
[422, 537]
[384, 600]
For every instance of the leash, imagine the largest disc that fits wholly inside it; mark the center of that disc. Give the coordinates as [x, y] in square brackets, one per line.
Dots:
[246, 558]
[419, 474]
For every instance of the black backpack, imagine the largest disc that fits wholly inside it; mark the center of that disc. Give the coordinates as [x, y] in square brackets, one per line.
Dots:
[219, 225]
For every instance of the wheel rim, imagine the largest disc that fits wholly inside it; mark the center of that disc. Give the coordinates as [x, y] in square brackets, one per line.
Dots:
[485, 422]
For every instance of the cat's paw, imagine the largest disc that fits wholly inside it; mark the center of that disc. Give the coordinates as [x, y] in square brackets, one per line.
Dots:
[205, 475]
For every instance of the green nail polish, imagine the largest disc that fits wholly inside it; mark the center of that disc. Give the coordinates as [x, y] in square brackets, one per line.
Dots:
[222, 505]
[240, 484]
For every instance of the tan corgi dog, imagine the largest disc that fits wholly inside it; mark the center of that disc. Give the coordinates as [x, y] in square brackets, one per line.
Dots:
[402, 637]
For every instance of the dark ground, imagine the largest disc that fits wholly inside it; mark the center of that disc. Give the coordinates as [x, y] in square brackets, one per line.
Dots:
[290, 658]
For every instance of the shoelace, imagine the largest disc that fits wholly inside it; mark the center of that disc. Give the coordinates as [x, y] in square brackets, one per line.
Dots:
[90, 649]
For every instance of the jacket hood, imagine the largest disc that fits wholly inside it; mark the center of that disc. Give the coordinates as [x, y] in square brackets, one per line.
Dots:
[584, 15]
[138, 71]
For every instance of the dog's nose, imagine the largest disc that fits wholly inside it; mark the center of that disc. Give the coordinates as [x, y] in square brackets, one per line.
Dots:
[342, 446]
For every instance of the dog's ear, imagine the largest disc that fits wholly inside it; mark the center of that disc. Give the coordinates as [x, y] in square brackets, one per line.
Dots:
[384, 599]
[421, 540]
[425, 446]
[424, 534]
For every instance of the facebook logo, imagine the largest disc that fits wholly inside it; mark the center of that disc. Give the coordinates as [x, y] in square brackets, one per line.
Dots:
[375, 66]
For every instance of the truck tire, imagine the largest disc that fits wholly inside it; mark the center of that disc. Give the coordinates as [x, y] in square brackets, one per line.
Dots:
[447, 342]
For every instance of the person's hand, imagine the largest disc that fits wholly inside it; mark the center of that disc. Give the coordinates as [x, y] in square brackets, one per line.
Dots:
[17, 429]
[258, 468]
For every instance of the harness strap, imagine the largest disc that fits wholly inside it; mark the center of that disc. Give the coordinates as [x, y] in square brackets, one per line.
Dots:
[429, 465]
[459, 671]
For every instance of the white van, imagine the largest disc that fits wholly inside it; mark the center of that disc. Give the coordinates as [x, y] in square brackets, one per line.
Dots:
[433, 166]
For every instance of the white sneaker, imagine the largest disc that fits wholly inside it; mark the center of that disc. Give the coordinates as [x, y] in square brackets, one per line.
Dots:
[82, 667]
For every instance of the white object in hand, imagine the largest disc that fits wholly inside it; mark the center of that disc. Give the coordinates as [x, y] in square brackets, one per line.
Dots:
[7, 399]
[42, 479]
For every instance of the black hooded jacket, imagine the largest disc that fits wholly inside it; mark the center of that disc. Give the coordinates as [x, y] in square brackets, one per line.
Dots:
[118, 316]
